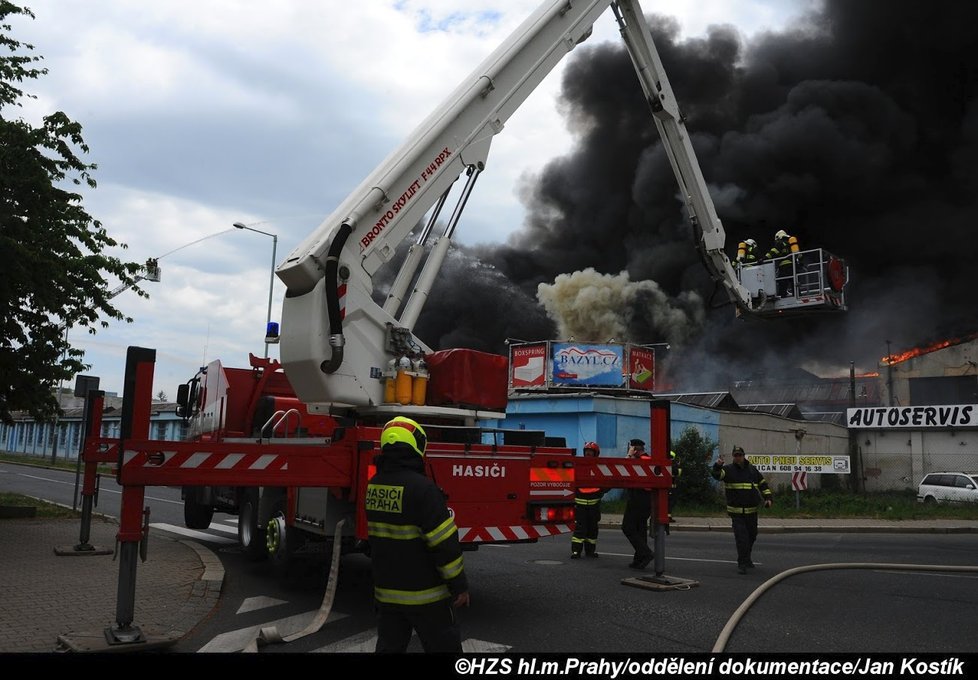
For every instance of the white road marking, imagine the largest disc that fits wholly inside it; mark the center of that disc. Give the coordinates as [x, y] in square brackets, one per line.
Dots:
[367, 642]
[253, 604]
[236, 640]
[190, 533]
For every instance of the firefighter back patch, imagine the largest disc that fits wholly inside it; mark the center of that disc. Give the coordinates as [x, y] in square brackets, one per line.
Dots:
[384, 498]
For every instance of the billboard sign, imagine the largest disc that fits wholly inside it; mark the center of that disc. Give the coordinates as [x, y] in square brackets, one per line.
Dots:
[586, 365]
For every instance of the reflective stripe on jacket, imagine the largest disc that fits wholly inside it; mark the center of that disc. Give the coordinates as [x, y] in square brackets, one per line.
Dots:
[743, 485]
[414, 545]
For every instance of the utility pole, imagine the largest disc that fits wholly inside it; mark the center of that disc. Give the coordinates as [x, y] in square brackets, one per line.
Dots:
[854, 457]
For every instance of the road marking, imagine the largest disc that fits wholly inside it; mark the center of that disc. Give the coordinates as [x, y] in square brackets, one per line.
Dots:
[361, 642]
[225, 529]
[473, 646]
[679, 559]
[253, 604]
[190, 533]
[367, 642]
[237, 640]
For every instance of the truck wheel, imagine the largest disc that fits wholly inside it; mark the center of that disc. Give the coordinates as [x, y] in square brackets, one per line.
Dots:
[196, 515]
[282, 541]
[251, 533]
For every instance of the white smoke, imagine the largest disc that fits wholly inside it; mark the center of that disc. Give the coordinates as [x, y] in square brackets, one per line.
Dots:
[592, 307]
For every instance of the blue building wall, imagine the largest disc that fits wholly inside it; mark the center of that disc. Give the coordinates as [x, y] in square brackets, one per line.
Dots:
[610, 421]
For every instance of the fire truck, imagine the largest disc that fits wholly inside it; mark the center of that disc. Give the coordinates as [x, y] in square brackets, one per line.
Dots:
[347, 358]
[289, 447]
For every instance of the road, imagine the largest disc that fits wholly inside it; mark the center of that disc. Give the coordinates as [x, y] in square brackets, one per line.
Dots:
[533, 598]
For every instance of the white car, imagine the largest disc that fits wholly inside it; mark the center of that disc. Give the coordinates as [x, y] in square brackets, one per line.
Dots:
[948, 487]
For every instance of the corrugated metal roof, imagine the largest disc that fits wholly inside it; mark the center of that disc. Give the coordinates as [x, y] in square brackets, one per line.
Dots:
[784, 410]
[719, 400]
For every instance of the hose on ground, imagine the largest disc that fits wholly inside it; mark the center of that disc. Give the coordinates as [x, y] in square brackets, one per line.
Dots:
[728, 629]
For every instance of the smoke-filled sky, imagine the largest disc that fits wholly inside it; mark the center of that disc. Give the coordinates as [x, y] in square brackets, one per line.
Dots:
[268, 113]
[855, 129]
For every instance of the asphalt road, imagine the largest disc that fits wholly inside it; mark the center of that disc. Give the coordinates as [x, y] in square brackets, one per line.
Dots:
[533, 598]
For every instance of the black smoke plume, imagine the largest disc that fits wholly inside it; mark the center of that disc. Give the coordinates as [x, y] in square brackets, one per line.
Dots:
[856, 130]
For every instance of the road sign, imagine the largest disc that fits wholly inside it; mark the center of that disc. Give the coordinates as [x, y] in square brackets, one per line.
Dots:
[799, 481]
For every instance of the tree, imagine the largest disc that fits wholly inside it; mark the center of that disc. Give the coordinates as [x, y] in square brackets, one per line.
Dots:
[53, 251]
[694, 453]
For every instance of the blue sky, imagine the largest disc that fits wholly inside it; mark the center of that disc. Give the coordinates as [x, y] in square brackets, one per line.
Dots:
[268, 113]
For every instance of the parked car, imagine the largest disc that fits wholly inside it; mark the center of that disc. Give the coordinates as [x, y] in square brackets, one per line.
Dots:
[948, 487]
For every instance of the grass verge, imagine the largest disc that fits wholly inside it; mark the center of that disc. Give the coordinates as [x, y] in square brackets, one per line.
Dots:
[44, 509]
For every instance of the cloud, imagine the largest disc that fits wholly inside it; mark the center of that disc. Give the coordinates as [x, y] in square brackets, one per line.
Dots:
[202, 114]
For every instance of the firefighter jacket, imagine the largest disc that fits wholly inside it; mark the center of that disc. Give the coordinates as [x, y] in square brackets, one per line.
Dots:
[744, 486]
[414, 542]
[782, 251]
[590, 495]
[675, 469]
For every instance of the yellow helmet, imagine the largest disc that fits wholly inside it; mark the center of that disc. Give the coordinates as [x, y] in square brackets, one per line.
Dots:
[401, 430]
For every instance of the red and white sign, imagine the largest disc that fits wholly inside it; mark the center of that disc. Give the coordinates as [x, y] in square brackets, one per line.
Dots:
[528, 365]
[799, 481]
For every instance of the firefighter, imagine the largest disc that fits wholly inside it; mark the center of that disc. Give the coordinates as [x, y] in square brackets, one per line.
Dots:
[418, 571]
[783, 252]
[744, 487]
[587, 513]
[747, 252]
[638, 508]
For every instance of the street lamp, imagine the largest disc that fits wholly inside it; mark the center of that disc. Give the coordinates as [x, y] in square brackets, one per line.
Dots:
[271, 280]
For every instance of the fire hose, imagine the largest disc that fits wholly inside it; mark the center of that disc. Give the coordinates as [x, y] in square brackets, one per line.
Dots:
[269, 634]
[728, 629]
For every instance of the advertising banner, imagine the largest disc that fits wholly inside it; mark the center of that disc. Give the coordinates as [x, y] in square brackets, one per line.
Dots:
[587, 365]
[641, 369]
[527, 366]
[814, 463]
[915, 417]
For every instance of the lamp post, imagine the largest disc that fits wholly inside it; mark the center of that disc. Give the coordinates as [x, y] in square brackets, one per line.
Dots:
[271, 279]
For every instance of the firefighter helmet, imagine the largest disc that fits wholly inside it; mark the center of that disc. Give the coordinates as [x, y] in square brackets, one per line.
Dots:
[401, 430]
[782, 234]
[750, 243]
[593, 446]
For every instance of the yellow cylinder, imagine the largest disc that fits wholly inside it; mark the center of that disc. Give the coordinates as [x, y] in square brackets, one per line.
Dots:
[419, 390]
[389, 375]
[403, 382]
[793, 244]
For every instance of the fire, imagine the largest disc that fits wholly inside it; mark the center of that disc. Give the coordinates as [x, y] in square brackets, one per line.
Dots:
[917, 351]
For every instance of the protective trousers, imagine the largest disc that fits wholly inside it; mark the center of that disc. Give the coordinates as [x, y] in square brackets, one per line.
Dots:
[587, 516]
[435, 623]
[745, 533]
[635, 526]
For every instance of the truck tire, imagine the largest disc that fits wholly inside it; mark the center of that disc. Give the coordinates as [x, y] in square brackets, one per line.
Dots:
[251, 532]
[281, 541]
[196, 515]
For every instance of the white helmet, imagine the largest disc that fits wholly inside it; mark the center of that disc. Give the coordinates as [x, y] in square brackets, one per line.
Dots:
[780, 235]
[751, 243]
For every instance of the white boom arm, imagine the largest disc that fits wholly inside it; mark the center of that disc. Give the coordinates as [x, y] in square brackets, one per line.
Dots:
[336, 340]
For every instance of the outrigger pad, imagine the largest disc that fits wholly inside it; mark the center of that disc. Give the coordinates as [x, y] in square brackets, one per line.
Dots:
[660, 582]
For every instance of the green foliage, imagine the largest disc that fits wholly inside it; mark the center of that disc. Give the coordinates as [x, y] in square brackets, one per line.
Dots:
[694, 453]
[52, 250]
[44, 509]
